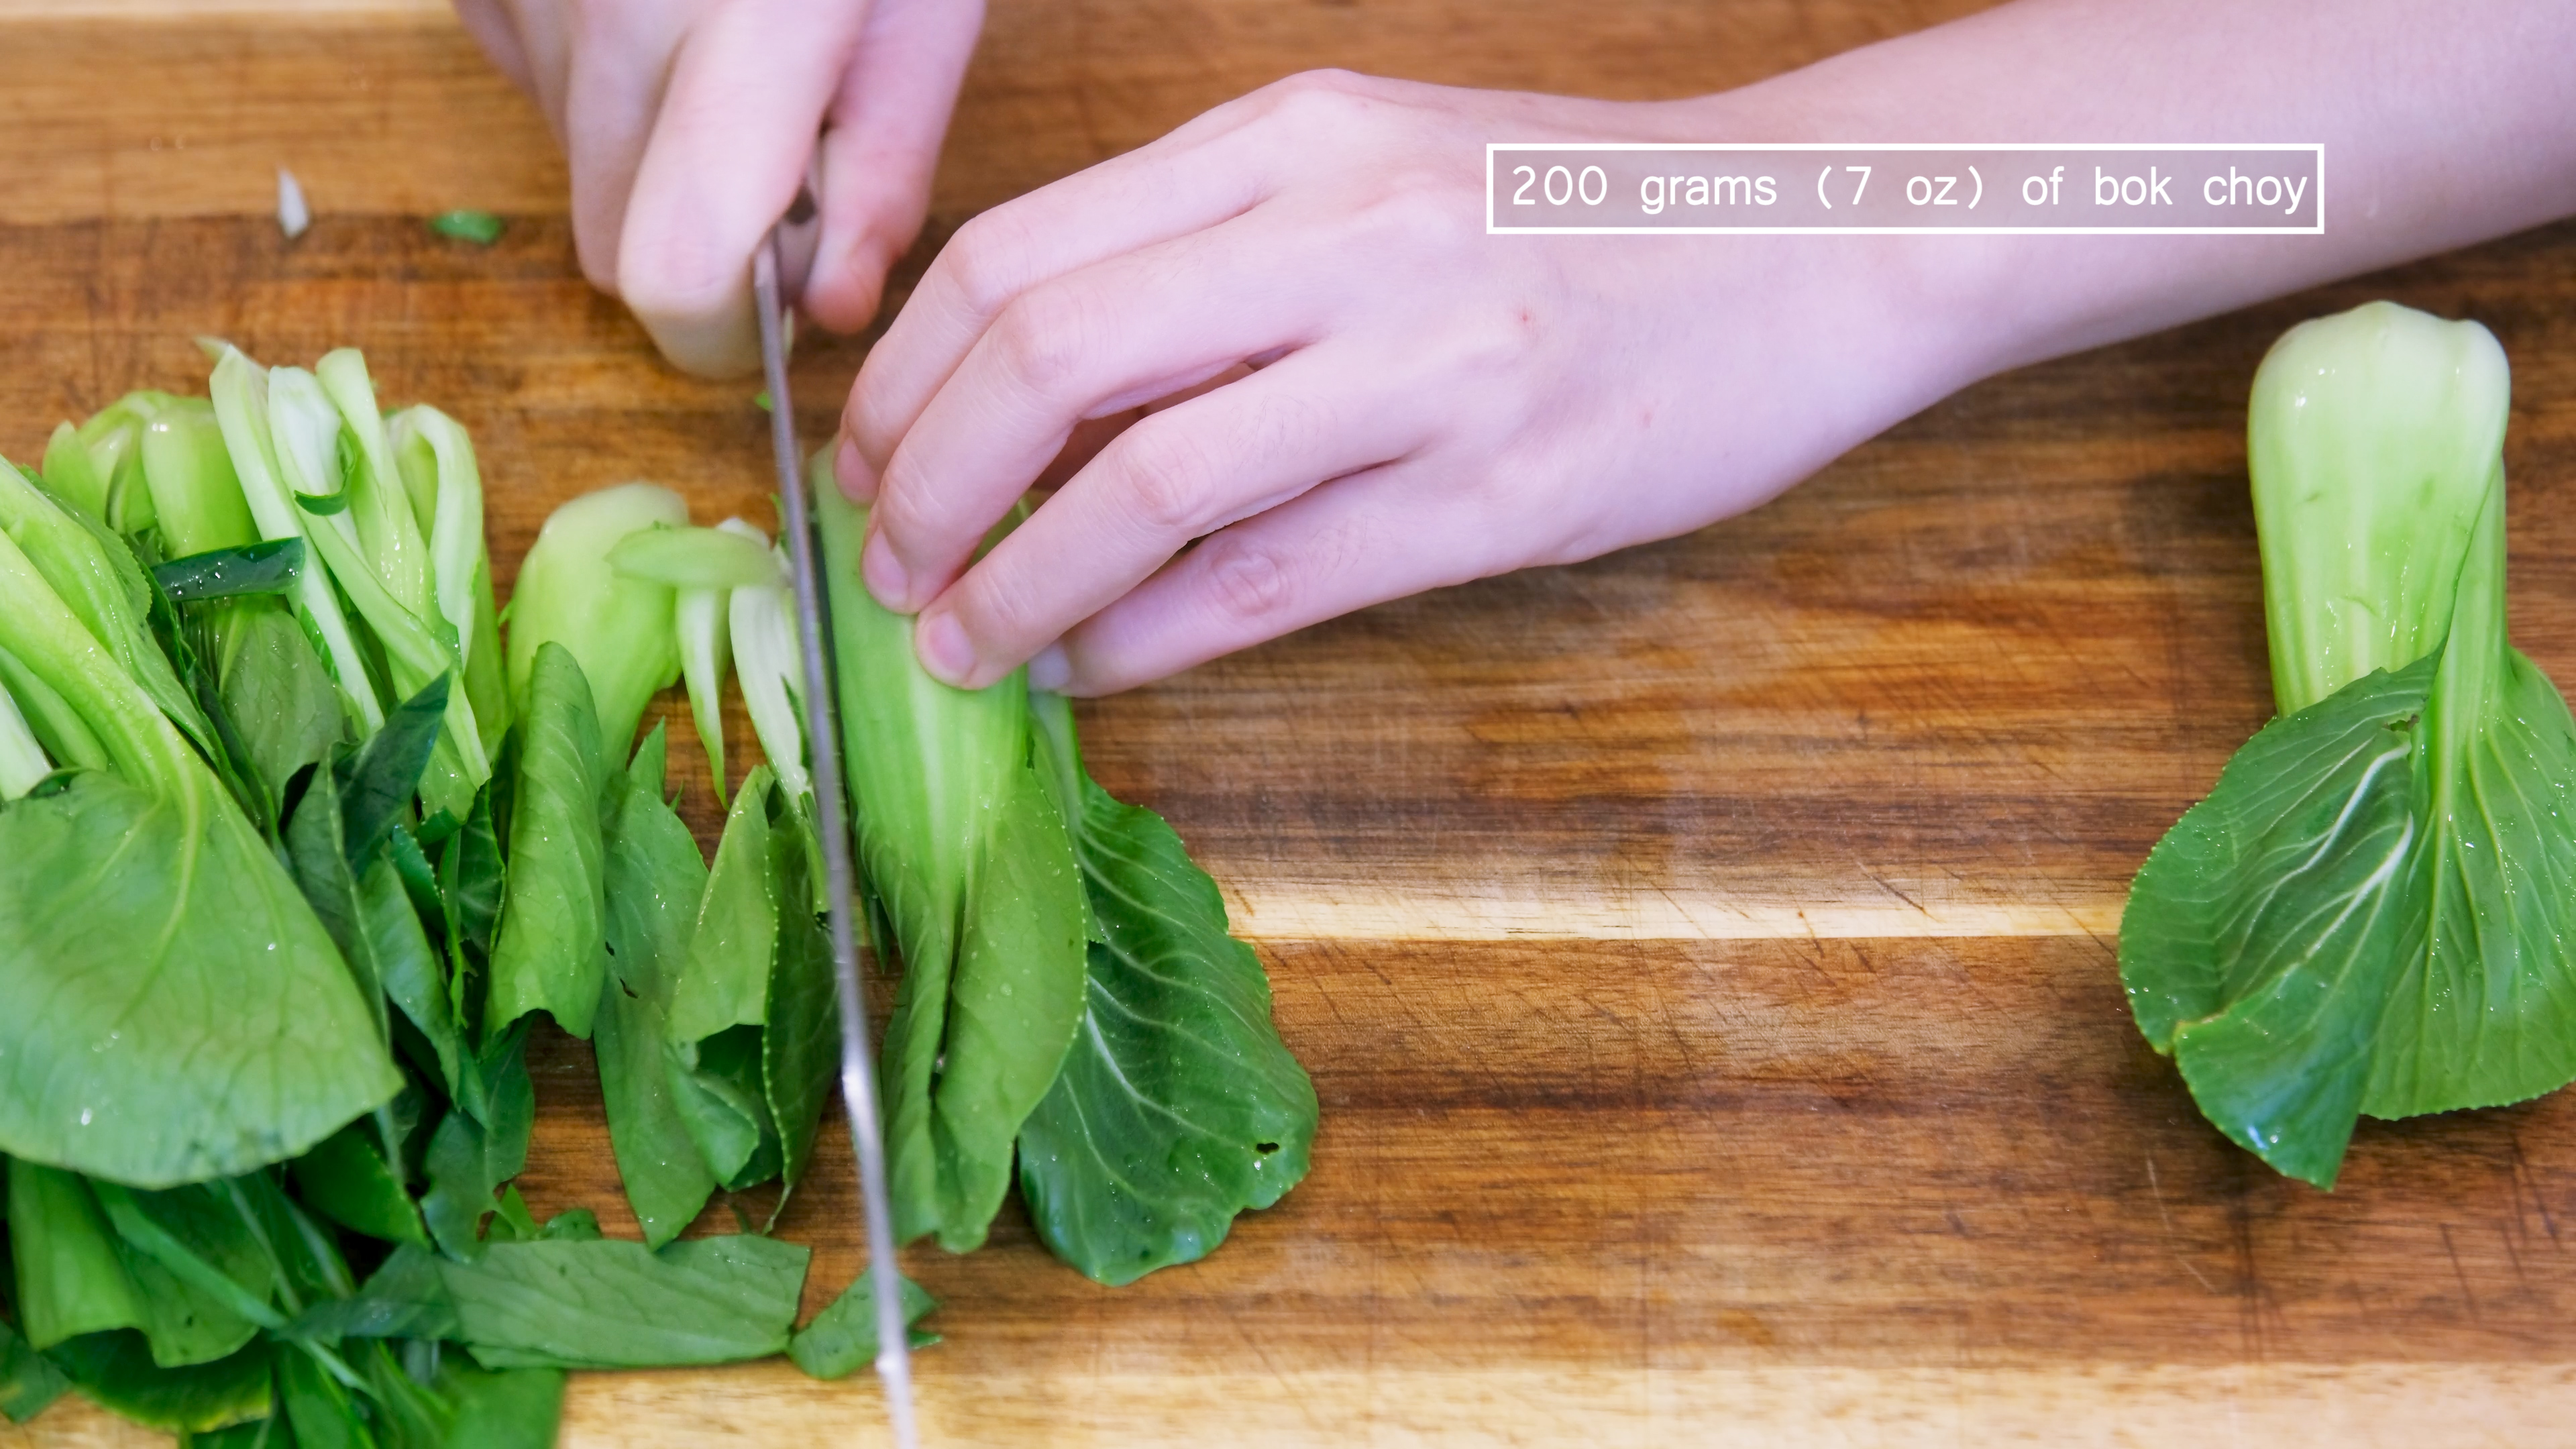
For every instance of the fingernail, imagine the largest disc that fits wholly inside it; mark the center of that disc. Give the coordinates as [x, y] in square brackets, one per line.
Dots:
[885, 575]
[941, 642]
[1050, 669]
[850, 469]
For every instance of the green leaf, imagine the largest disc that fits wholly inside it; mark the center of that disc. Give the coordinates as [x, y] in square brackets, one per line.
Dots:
[655, 878]
[470, 879]
[616, 1304]
[481, 228]
[378, 785]
[29, 1382]
[550, 954]
[726, 980]
[276, 691]
[1012, 1013]
[2262, 936]
[78, 1276]
[117, 1370]
[843, 1338]
[320, 858]
[406, 1298]
[1178, 1107]
[320, 1407]
[179, 1012]
[717, 1089]
[193, 1233]
[347, 1180]
[2485, 1012]
[228, 573]
[800, 1050]
[70, 1278]
[504, 1409]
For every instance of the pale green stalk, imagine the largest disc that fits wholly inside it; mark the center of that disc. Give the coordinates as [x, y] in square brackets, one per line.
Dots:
[189, 473]
[771, 672]
[2370, 437]
[379, 506]
[22, 760]
[241, 408]
[306, 433]
[618, 628]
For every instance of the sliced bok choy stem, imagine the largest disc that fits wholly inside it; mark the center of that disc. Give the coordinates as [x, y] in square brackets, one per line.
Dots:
[306, 431]
[702, 566]
[388, 533]
[240, 387]
[771, 671]
[618, 627]
[58, 727]
[22, 760]
[439, 471]
[190, 477]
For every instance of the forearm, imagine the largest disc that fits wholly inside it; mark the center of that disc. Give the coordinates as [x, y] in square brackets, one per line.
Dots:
[2440, 130]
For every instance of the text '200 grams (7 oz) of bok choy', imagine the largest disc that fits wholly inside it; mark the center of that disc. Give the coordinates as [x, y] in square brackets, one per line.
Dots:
[296, 842]
[2370, 913]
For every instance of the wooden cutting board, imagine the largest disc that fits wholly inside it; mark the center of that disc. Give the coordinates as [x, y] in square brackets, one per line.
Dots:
[1704, 955]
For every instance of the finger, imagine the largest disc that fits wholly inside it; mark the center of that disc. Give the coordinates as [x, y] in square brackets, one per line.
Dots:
[728, 150]
[1239, 451]
[1361, 540]
[1093, 434]
[610, 95]
[1201, 176]
[881, 147]
[1085, 345]
[496, 31]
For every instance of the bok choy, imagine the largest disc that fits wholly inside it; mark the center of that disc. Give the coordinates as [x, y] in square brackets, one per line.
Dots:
[2370, 914]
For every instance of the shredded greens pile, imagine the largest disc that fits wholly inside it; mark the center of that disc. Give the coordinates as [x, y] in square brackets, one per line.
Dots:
[2370, 914]
[296, 843]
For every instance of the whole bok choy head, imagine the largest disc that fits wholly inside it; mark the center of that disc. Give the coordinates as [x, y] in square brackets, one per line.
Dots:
[2370, 913]
[1071, 997]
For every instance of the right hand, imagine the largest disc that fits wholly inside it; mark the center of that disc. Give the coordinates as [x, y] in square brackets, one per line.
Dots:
[689, 125]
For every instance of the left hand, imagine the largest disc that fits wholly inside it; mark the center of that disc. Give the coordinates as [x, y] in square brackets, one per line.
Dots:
[1364, 395]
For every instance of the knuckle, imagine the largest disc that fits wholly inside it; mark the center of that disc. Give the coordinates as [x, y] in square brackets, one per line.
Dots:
[902, 512]
[1040, 340]
[998, 608]
[1319, 99]
[1247, 580]
[986, 261]
[1164, 477]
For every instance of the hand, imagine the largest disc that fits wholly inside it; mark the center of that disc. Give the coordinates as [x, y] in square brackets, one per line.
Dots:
[1399, 401]
[689, 124]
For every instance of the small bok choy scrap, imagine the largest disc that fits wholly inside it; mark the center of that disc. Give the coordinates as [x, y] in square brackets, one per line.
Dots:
[2371, 912]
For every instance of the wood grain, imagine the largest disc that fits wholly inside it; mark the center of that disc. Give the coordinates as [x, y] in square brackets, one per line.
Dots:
[1703, 954]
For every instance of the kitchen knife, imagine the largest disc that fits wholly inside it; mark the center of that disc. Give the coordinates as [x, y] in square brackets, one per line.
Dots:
[823, 734]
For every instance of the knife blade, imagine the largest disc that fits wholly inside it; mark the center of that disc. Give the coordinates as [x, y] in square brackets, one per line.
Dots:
[822, 731]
